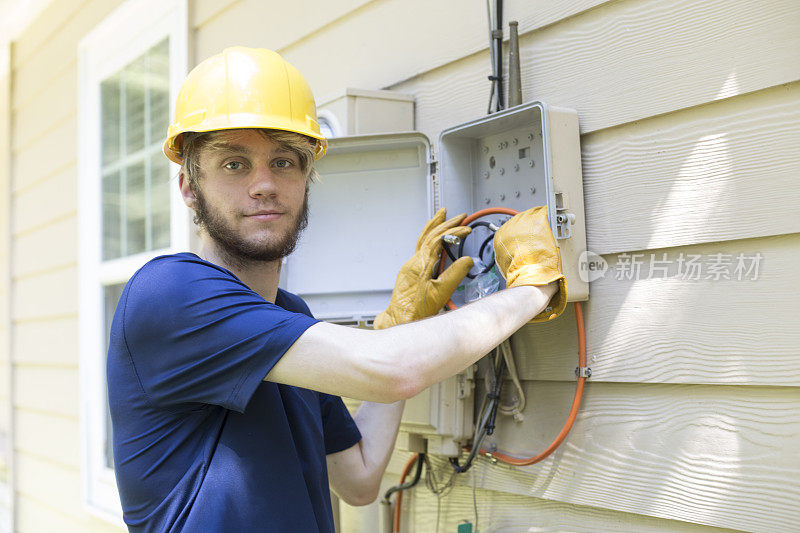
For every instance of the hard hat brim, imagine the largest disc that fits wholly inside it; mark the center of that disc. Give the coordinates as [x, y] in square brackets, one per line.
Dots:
[173, 148]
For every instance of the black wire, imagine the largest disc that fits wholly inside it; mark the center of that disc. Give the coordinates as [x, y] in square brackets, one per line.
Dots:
[449, 253]
[476, 445]
[496, 397]
[461, 241]
[486, 241]
[461, 248]
[408, 484]
[493, 76]
[490, 407]
[478, 435]
[473, 226]
[499, 58]
[489, 239]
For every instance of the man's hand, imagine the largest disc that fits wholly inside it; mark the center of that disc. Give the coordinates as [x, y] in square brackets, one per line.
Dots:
[416, 294]
[526, 254]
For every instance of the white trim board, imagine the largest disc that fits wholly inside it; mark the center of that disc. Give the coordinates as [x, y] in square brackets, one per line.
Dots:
[125, 34]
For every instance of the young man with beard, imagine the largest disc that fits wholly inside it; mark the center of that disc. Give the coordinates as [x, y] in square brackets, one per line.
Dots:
[224, 391]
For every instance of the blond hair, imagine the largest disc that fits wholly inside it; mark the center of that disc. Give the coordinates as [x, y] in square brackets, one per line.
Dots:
[192, 143]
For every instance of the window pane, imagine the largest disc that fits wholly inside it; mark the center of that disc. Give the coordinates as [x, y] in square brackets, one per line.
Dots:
[110, 130]
[158, 85]
[135, 116]
[112, 225]
[135, 210]
[111, 294]
[135, 76]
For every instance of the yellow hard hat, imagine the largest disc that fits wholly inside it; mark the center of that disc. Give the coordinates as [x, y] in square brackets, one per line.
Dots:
[244, 88]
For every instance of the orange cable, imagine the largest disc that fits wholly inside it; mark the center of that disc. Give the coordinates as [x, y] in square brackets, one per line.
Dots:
[576, 401]
[573, 413]
[514, 461]
[399, 500]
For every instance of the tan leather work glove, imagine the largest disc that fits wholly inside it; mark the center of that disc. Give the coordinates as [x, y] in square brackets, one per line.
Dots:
[526, 254]
[416, 294]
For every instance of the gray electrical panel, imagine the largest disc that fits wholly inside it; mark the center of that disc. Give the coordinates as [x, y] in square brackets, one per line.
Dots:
[378, 191]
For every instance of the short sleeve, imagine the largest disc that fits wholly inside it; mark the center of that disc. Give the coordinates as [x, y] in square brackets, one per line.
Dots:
[339, 428]
[197, 334]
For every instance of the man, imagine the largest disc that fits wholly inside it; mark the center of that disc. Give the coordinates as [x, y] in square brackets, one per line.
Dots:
[224, 391]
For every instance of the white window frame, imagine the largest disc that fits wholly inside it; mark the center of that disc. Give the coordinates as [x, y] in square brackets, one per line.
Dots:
[127, 33]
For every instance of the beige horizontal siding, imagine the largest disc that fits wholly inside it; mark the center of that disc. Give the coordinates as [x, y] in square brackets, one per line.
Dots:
[726, 170]
[390, 41]
[58, 53]
[6, 457]
[677, 330]
[47, 108]
[56, 240]
[623, 62]
[32, 343]
[61, 383]
[499, 511]
[407, 46]
[52, 20]
[35, 432]
[37, 514]
[53, 293]
[53, 489]
[723, 456]
[5, 264]
[503, 511]
[46, 201]
[30, 168]
[202, 11]
[264, 24]
[51, 482]
[44, 268]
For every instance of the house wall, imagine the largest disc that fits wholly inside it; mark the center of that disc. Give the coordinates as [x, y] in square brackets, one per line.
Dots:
[689, 133]
[5, 329]
[688, 125]
[43, 267]
[689, 130]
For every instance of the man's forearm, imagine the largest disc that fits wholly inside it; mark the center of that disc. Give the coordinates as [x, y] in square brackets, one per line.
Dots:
[441, 346]
[378, 424]
[355, 473]
[397, 363]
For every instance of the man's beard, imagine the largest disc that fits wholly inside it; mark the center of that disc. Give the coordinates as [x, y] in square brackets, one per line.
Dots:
[235, 250]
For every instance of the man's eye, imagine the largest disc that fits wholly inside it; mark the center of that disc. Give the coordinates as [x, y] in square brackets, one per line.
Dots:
[234, 165]
[283, 163]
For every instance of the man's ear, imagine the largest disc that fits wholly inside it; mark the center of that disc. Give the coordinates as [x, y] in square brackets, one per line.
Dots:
[187, 193]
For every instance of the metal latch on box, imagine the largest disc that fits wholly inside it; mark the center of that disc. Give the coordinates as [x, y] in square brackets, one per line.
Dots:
[564, 221]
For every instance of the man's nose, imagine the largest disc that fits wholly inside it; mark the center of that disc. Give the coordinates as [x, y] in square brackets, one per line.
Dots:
[263, 182]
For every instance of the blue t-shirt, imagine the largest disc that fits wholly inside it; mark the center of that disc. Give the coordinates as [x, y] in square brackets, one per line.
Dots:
[201, 442]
